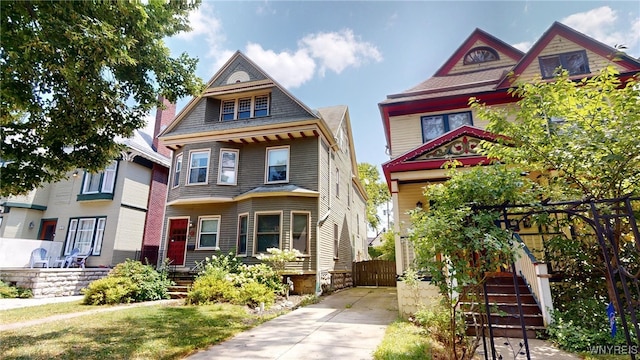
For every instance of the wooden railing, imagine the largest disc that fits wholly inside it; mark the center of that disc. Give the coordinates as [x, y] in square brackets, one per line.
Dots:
[536, 275]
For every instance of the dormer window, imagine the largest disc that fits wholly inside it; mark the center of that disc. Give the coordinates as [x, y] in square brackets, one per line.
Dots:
[245, 108]
[574, 62]
[479, 55]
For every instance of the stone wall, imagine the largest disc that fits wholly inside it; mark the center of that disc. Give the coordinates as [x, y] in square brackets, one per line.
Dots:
[303, 284]
[341, 280]
[52, 282]
[412, 298]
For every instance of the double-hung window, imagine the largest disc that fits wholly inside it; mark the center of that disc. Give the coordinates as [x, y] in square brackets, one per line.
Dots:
[208, 230]
[267, 231]
[245, 108]
[300, 232]
[336, 241]
[243, 227]
[435, 125]
[85, 234]
[99, 185]
[574, 62]
[227, 173]
[277, 169]
[198, 167]
[176, 170]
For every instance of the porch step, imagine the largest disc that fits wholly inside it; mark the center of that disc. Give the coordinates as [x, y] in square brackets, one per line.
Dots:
[178, 291]
[505, 316]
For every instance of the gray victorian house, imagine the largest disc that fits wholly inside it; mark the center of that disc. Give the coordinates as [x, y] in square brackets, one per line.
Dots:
[254, 168]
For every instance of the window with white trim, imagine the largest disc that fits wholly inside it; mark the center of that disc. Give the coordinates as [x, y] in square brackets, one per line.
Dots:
[85, 234]
[198, 167]
[300, 232]
[337, 182]
[101, 182]
[245, 108]
[208, 230]
[436, 125]
[243, 227]
[228, 169]
[176, 170]
[277, 165]
[267, 231]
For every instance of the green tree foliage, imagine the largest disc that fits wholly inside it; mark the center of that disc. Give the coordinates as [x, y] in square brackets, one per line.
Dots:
[458, 242]
[587, 131]
[377, 192]
[386, 250]
[78, 74]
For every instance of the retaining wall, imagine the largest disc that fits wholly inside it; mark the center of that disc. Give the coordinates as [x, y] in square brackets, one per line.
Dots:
[52, 282]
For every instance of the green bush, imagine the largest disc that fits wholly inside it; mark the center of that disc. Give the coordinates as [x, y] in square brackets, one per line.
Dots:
[110, 290]
[262, 274]
[7, 291]
[210, 289]
[436, 320]
[219, 264]
[583, 324]
[130, 281]
[253, 294]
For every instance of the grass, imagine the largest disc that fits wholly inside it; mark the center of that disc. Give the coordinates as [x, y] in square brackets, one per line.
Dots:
[42, 311]
[405, 341]
[152, 332]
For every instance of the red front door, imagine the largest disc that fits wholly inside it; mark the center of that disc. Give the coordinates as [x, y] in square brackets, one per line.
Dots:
[177, 240]
[47, 230]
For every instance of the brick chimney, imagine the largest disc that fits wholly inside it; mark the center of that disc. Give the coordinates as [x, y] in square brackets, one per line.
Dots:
[164, 117]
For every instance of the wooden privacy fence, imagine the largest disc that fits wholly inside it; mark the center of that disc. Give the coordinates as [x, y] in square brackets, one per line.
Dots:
[374, 273]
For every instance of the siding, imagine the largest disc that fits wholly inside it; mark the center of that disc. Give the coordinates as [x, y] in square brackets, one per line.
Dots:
[228, 213]
[239, 65]
[303, 159]
[560, 45]
[406, 130]
[408, 196]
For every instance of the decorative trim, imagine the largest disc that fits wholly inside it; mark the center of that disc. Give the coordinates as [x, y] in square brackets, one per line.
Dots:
[24, 206]
[131, 207]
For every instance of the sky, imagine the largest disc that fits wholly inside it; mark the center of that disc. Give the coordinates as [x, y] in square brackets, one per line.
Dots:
[355, 53]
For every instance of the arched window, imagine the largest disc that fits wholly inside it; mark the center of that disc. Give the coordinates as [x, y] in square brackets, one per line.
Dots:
[480, 54]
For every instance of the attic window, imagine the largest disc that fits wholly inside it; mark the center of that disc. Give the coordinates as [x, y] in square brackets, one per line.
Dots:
[574, 62]
[237, 77]
[479, 55]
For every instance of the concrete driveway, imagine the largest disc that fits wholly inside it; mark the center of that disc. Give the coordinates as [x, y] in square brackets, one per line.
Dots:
[346, 325]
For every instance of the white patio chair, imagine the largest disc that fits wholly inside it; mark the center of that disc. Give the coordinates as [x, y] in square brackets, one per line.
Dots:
[39, 257]
[79, 259]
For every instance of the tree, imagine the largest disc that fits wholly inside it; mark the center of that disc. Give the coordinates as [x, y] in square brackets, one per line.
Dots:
[387, 249]
[585, 131]
[581, 137]
[78, 74]
[377, 192]
[457, 241]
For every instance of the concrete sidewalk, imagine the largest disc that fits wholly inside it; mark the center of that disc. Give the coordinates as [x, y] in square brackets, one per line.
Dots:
[347, 325]
[6, 304]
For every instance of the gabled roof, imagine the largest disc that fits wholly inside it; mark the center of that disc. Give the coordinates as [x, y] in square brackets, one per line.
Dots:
[415, 159]
[141, 144]
[237, 56]
[334, 117]
[589, 43]
[475, 36]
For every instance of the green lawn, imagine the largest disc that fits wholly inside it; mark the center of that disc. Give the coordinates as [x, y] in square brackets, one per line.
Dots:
[150, 332]
[405, 341]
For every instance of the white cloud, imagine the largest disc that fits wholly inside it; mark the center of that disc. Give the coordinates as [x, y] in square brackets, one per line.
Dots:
[338, 50]
[600, 23]
[290, 69]
[523, 46]
[204, 24]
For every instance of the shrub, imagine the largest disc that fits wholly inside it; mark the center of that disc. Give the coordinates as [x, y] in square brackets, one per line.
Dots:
[8, 291]
[209, 289]
[263, 274]
[110, 290]
[253, 294]
[130, 281]
[436, 321]
[219, 264]
[583, 324]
